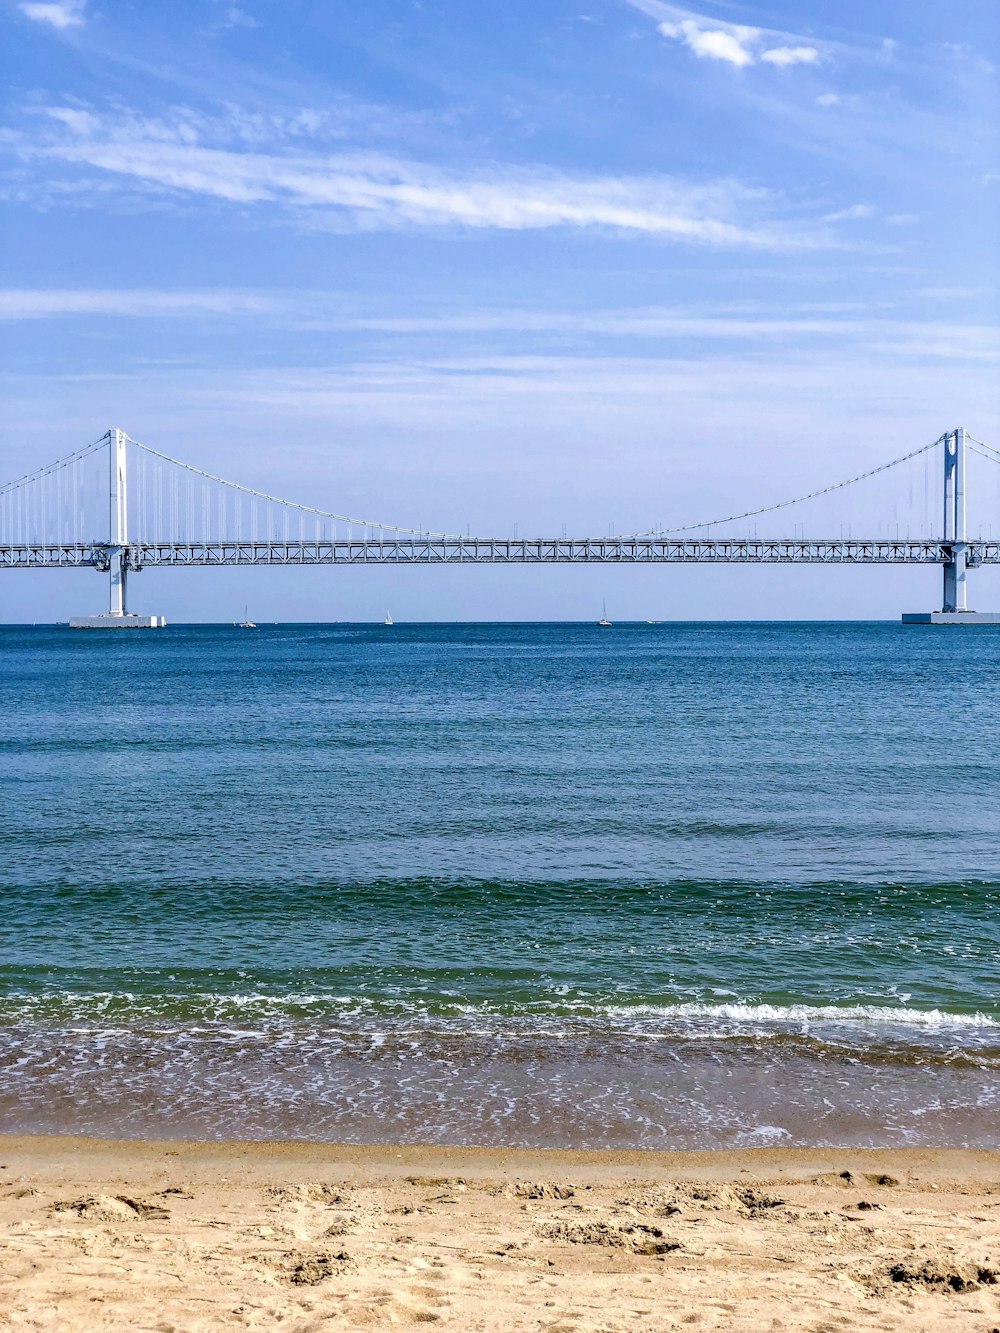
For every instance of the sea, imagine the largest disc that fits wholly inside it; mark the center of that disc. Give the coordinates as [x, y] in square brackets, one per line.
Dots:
[673, 886]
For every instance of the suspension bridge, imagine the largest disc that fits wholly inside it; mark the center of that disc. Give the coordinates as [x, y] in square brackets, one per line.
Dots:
[118, 506]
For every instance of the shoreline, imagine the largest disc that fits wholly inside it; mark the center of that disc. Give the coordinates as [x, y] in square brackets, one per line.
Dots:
[608, 1083]
[197, 1236]
[39, 1148]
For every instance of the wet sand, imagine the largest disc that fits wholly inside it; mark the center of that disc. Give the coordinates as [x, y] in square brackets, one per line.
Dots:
[184, 1237]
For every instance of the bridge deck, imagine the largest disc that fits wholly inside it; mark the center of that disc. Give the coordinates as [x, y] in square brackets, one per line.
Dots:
[505, 550]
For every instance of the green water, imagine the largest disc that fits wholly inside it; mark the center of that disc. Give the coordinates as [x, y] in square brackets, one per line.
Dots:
[674, 885]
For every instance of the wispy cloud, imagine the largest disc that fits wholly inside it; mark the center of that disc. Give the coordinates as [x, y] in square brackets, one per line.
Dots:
[132, 303]
[738, 44]
[783, 56]
[852, 213]
[58, 13]
[234, 17]
[238, 161]
[321, 312]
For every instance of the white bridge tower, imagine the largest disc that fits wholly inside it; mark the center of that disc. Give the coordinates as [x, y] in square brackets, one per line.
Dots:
[954, 599]
[118, 616]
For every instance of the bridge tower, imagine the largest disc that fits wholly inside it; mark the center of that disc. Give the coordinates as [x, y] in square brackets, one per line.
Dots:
[118, 523]
[117, 616]
[954, 600]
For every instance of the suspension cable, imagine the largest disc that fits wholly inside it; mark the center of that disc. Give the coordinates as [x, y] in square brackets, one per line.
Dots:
[288, 504]
[979, 446]
[54, 467]
[784, 504]
[983, 445]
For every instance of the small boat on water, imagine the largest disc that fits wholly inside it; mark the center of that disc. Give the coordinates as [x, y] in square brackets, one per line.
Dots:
[604, 622]
[388, 619]
[246, 622]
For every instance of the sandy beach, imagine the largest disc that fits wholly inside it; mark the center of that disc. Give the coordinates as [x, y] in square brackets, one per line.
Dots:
[193, 1236]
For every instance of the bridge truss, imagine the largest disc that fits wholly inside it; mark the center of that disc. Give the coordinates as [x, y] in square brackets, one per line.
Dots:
[504, 551]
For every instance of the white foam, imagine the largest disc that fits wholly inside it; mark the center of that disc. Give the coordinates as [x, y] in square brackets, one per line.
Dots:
[805, 1014]
[763, 1136]
[214, 1008]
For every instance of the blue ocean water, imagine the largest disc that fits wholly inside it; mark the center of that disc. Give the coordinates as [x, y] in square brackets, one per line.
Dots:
[679, 885]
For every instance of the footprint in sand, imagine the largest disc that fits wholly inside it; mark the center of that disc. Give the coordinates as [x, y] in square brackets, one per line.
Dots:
[945, 1275]
[638, 1238]
[111, 1208]
[536, 1189]
[439, 1182]
[310, 1192]
[302, 1268]
[392, 1308]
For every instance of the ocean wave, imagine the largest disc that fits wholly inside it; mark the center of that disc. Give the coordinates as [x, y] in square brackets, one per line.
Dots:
[217, 1006]
[800, 1014]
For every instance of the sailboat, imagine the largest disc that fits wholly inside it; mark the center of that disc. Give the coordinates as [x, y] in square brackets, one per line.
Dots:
[246, 622]
[388, 619]
[604, 622]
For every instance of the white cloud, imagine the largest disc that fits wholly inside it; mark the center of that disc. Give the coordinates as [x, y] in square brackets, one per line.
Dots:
[962, 54]
[852, 213]
[74, 118]
[323, 312]
[185, 154]
[132, 303]
[828, 99]
[730, 44]
[59, 13]
[238, 18]
[783, 56]
[736, 44]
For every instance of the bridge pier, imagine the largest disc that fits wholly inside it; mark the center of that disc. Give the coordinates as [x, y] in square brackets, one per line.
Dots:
[118, 616]
[119, 584]
[954, 598]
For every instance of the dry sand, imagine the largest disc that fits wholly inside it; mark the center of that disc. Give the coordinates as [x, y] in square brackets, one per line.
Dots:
[188, 1237]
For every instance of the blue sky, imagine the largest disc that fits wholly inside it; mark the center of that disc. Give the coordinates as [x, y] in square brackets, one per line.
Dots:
[593, 264]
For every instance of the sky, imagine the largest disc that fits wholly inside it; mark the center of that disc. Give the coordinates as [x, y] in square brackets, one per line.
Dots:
[586, 264]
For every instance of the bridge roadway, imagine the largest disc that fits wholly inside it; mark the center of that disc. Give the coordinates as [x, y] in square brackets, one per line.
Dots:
[505, 550]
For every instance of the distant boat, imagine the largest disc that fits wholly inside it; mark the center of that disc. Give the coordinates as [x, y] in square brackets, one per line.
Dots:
[604, 622]
[246, 622]
[388, 619]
